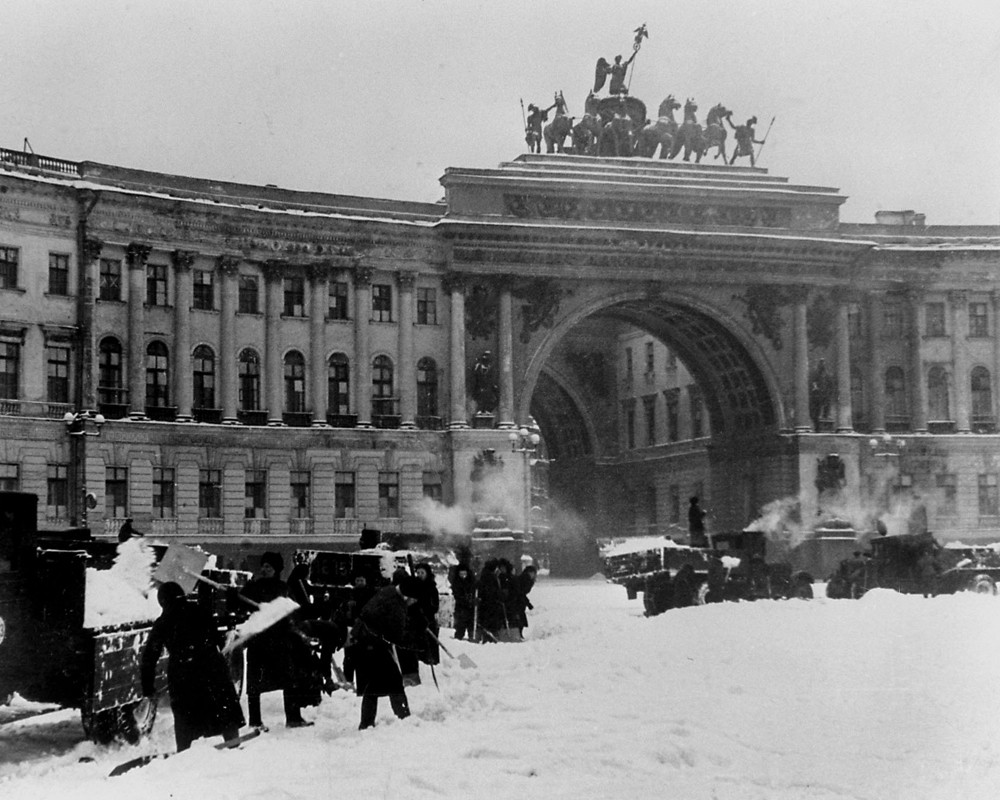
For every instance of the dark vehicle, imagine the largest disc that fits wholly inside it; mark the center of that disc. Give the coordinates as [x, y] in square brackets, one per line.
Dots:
[47, 654]
[916, 563]
[733, 567]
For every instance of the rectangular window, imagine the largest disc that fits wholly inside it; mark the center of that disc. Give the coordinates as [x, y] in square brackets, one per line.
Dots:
[163, 493]
[934, 323]
[988, 506]
[649, 408]
[674, 503]
[57, 365]
[650, 359]
[673, 415]
[671, 360]
[58, 273]
[156, 284]
[300, 507]
[388, 494]
[210, 493]
[892, 319]
[979, 325]
[255, 505]
[249, 295]
[10, 370]
[628, 366]
[8, 267]
[204, 290]
[432, 486]
[381, 302]
[110, 281]
[57, 491]
[426, 306]
[343, 495]
[295, 296]
[338, 300]
[947, 495]
[9, 478]
[115, 492]
[628, 412]
[697, 413]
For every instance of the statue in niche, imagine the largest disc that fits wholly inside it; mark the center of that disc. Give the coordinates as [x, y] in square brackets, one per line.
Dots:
[484, 464]
[830, 475]
[485, 390]
[822, 390]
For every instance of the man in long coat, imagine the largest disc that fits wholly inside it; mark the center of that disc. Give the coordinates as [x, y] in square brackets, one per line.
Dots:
[202, 696]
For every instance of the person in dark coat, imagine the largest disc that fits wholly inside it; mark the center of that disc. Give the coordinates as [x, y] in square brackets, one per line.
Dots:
[383, 628]
[278, 658]
[202, 696]
[492, 616]
[427, 606]
[520, 589]
[463, 589]
[696, 524]
[347, 615]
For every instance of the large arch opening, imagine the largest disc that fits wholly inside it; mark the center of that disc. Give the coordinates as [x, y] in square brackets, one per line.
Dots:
[632, 396]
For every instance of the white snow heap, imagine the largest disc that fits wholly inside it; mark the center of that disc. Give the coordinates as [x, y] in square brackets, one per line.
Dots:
[122, 593]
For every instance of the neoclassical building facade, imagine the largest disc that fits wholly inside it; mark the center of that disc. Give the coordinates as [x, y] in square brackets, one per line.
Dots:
[245, 366]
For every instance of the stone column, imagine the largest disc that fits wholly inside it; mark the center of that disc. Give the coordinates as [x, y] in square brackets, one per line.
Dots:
[362, 345]
[800, 336]
[918, 411]
[995, 304]
[136, 256]
[319, 288]
[183, 389]
[506, 345]
[273, 366]
[407, 369]
[228, 271]
[845, 415]
[876, 375]
[87, 368]
[959, 307]
[455, 286]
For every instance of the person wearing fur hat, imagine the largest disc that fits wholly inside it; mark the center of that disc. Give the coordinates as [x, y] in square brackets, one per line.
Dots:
[202, 696]
[383, 627]
[278, 657]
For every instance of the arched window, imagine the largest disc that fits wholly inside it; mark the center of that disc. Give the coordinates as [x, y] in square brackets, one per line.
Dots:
[157, 375]
[427, 388]
[895, 393]
[204, 377]
[339, 384]
[110, 375]
[382, 388]
[937, 394]
[295, 382]
[249, 386]
[982, 395]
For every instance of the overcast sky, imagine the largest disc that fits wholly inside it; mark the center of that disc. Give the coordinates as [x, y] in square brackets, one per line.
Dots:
[895, 102]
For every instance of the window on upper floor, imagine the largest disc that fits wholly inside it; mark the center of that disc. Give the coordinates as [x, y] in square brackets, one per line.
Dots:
[249, 295]
[338, 300]
[934, 319]
[59, 273]
[164, 504]
[426, 306]
[57, 366]
[203, 283]
[299, 486]
[893, 319]
[10, 477]
[157, 375]
[8, 267]
[203, 375]
[294, 296]
[381, 302]
[210, 493]
[255, 494]
[339, 384]
[10, 369]
[156, 284]
[249, 381]
[979, 323]
[110, 279]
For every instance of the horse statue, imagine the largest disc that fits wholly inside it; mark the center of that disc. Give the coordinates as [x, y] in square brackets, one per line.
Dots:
[659, 132]
[616, 137]
[715, 133]
[689, 133]
[555, 132]
[585, 134]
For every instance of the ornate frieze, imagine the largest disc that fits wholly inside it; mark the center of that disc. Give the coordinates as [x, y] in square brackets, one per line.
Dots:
[540, 206]
[541, 304]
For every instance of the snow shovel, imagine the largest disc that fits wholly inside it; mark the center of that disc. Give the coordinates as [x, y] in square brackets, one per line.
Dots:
[464, 661]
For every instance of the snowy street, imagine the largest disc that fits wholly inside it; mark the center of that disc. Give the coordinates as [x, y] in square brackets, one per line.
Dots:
[890, 696]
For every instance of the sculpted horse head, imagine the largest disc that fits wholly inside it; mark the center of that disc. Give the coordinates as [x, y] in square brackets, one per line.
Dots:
[667, 107]
[690, 110]
[716, 114]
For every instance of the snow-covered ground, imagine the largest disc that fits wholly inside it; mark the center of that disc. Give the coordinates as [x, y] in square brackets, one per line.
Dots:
[886, 697]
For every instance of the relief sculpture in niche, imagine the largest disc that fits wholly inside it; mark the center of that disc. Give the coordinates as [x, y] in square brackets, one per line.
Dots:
[541, 304]
[763, 310]
[481, 311]
[822, 317]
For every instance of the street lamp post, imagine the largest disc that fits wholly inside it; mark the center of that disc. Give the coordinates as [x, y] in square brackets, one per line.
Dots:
[80, 425]
[526, 442]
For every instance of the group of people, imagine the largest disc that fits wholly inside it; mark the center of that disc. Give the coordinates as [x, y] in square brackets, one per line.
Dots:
[385, 634]
[491, 606]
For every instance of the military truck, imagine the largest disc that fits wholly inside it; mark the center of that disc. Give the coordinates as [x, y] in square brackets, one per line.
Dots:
[917, 563]
[50, 653]
[734, 566]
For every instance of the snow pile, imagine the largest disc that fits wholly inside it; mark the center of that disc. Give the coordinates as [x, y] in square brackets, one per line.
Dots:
[123, 593]
[638, 544]
[887, 697]
[260, 620]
